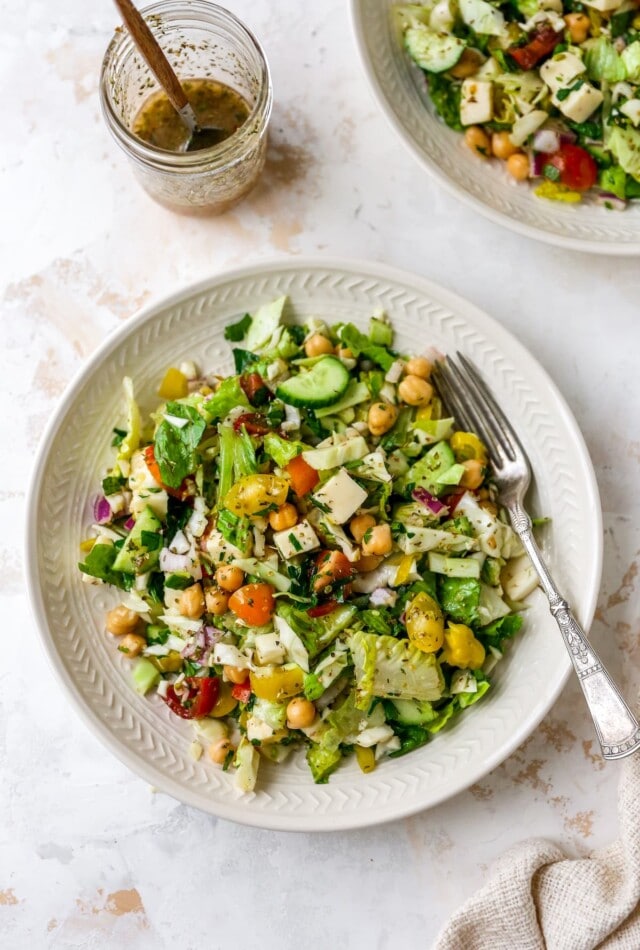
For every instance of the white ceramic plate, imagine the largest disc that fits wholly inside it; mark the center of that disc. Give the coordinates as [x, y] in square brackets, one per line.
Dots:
[400, 89]
[76, 450]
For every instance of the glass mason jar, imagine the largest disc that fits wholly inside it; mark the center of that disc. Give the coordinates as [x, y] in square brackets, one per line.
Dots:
[201, 41]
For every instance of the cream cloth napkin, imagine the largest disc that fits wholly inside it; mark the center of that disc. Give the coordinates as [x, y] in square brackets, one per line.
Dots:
[538, 899]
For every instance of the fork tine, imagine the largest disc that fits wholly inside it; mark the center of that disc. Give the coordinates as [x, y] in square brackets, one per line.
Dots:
[508, 433]
[449, 396]
[473, 420]
[482, 414]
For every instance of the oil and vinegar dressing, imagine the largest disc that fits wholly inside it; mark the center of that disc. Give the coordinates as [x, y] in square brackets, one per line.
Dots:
[214, 104]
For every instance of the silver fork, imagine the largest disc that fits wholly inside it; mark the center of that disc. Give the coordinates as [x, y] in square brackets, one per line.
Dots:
[469, 398]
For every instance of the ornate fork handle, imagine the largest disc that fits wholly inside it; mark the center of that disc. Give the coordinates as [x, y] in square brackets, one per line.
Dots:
[617, 728]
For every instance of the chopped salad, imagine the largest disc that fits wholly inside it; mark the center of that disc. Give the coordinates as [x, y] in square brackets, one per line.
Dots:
[308, 552]
[550, 87]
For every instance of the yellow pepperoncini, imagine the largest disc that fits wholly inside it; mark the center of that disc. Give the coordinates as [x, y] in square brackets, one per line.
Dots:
[424, 623]
[461, 648]
[467, 445]
[366, 759]
[254, 493]
[174, 385]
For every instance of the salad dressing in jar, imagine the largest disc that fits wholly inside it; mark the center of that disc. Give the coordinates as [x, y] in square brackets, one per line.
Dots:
[226, 77]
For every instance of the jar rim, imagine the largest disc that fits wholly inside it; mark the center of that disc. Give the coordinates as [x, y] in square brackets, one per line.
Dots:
[224, 152]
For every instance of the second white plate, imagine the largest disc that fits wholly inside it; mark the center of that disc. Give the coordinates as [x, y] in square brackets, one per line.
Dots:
[400, 90]
[76, 451]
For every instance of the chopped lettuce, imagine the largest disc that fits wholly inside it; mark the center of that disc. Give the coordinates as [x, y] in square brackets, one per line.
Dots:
[319, 632]
[227, 396]
[388, 667]
[361, 345]
[459, 597]
[282, 450]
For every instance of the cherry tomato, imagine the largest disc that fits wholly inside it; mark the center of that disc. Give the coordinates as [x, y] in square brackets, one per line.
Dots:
[542, 42]
[151, 463]
[242, 691]
[255, 389]
[253, 603]
[323, 609]
[254, 423]
[577, 168]
[331, 566]
[303, 477]
[198, 699]
[453, 499]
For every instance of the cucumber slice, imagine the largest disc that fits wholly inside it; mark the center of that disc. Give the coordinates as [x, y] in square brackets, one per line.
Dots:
[321, 386]
[435, 52]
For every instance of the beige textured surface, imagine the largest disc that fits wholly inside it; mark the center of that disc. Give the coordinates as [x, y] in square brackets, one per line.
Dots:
[80, 250]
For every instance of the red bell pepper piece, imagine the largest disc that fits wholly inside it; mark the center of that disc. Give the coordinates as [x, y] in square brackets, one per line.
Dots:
[242, 691]
[542, 42]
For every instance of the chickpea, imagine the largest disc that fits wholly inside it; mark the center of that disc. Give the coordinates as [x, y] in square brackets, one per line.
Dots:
[382, 416]
[344, 352]
[229, 578]
[578, 25]
[300, 713]
[132, 644]
[285, 517]
[191, 603]
[318, 345]
[502, 146]
[378, 541]
[518, 166]
[468, 64]
[121, 620]
[369, 563]
[360, 525]
[478, 141]
[415, 391]
[473, 474]
[418, 366]
[235, 675]
[218, 751]
[216, 601]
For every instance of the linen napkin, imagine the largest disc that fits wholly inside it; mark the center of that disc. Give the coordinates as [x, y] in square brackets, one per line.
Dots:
[538, 899]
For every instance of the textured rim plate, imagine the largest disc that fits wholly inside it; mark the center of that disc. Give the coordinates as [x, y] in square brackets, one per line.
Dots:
[75, 451]
[400, 90]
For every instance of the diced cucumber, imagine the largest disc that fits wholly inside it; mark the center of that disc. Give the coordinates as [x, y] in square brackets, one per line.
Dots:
[145, 675]
[135, 557]
[454, 566]
[452, 475]
[156, 634]
[323, 385]
[356, 393]
[179, 580]
[413, 712]
[427, 470]
[435, 52]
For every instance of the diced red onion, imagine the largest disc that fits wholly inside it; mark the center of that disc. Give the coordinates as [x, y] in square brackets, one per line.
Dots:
[383, 597]
[606, 198]
[129, 523]
[102, 510]
[546, 140]
[537, 161]
[429, 501]
[567, 137]
[212, 635]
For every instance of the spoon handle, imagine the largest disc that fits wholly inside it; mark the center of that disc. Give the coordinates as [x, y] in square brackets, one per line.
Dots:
[153, 54]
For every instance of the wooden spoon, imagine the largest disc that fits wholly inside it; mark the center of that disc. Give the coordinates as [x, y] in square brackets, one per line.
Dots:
[161, 68]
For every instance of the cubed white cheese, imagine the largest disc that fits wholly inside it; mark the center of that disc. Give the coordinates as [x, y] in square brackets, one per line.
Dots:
[559, 72]
[258, 731]
[580, 103]
[340, 497]
[632, 110]
[221, 551]
[269, 649]
[476, 102]
[297, 540]
[155, 498]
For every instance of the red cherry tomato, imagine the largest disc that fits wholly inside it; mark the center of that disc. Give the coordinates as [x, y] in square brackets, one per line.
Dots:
[253, 603]
[323, 609]
[577, 168]
[303, 476]
[254, 423]
[331, 567]
[242, 691]
[197, 701]
[255, 389]
[151, 463]
[541, 43]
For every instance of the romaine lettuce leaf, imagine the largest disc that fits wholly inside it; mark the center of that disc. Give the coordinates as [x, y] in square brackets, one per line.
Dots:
[175, 446]
[393, 668]
[459, 597]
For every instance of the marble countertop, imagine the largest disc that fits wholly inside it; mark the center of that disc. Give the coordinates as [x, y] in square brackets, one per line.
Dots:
[90, 856]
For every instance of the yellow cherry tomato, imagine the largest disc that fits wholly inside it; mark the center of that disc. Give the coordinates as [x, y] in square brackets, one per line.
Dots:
[461, 648]
[174, 385]
[425, 623]
[255, 493]
[276, 683]
[467, 445]
[225, 702]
